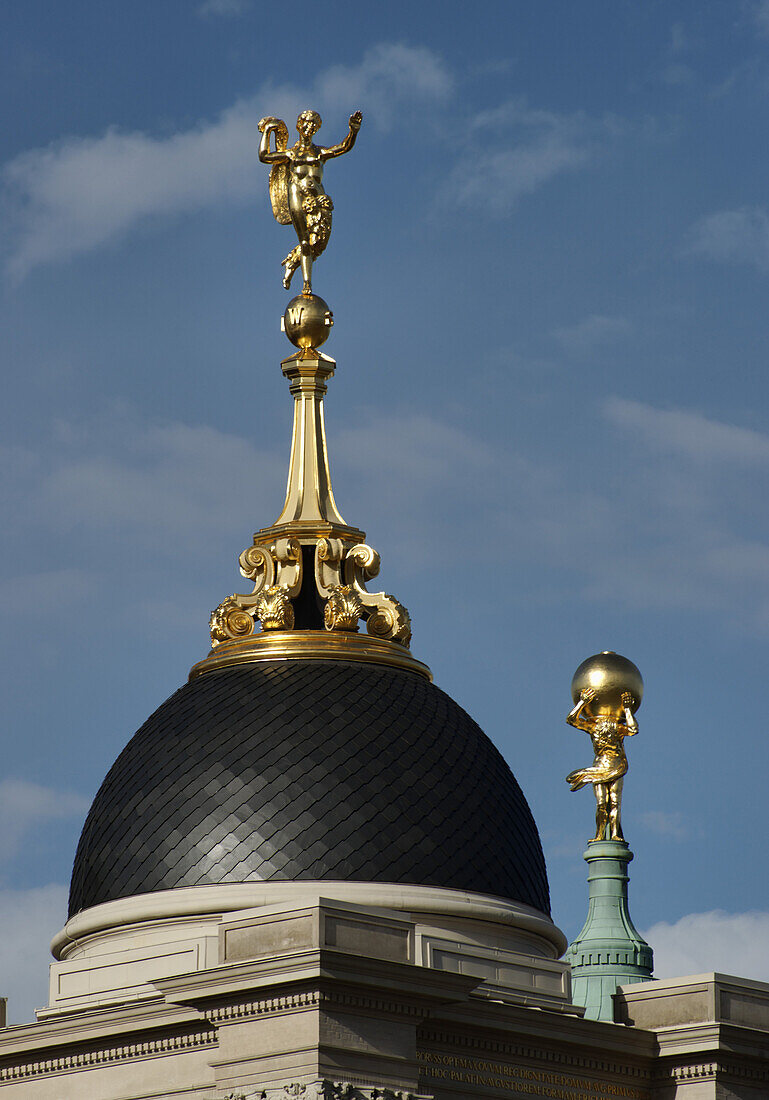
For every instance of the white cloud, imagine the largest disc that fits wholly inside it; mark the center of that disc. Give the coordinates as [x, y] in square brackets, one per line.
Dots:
[406, 463]
[563, 846]
[81, 193]
[679, 39]
[700, 943]
[59, 587]
[733, 236]
[523, 148]
[125, 496]
[168, 486]
[224, 7]
[392, 449]
[689, 433]
[698, 540]
[84, 192]
[592, 331]
[171, 480]
[674, 71]
[667, 824]
[29, 919]
[760, 14]
[390, 78]
[677, 73]
[24, 806]
[674, 525]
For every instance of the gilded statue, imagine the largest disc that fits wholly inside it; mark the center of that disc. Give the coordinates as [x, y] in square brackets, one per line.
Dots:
[296, 186]
[607, 732]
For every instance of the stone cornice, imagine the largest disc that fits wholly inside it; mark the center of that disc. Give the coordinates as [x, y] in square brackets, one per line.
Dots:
[570, 1057]
[403, 984]
[196, 901]
[310, 999]
[677, 1042]
[511, 1024]
[267, 1006]
[86, 1059]
[100, 1025]
[715, 1068]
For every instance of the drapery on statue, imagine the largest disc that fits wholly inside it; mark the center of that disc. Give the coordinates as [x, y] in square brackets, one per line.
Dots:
[296, 186]
[607, 733]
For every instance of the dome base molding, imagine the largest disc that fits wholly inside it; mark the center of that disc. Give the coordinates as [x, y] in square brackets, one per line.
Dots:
[118, 951]
[314, 645]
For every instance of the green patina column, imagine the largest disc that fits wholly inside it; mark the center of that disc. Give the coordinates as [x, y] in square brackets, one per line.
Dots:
[606, 690]
[609, 951]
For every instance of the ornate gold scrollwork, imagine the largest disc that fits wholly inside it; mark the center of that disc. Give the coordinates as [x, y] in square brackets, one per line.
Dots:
[342, 564]
[277, 576]
[390, 620]
[287, 554]
[257, 564]
[365, 561]
[343, 608]
[386, 617]
[230, 620]
[329, 555]
[342, 568]
[274, 608]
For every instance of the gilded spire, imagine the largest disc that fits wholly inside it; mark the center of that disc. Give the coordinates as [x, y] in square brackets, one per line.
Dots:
[309, 568]
[309, 495]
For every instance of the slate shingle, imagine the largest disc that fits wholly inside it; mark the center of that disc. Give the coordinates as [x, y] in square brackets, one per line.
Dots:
[290, 770]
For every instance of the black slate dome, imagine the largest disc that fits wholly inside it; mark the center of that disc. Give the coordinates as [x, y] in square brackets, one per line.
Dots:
[309, 769]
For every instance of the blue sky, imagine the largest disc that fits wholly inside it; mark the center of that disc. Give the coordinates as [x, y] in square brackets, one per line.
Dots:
[548, 270]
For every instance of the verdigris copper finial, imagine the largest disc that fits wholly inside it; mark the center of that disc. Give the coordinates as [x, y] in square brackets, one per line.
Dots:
[609, 951]
[296, 186]
[607, 690]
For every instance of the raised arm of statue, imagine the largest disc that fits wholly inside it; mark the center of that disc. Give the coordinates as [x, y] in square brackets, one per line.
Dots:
[278, 127]
[347, 143]
[630, 719]
[575, 716]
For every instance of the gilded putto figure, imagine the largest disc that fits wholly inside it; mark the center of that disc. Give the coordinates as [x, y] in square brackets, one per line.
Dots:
[296, 186]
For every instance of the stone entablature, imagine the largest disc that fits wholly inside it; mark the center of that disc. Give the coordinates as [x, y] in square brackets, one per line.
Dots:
[694, 1001]
[316, 998]
[712, 1031]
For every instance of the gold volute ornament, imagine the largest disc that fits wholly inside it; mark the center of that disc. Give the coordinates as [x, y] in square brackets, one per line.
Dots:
[607, 690]
[274, 608]
[342, 570]
[230, 620]
[296, 186]
[343, 608]
[281, 560]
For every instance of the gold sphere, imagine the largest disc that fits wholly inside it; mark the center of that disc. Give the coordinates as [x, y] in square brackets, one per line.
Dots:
[307, 321]
[609, 675]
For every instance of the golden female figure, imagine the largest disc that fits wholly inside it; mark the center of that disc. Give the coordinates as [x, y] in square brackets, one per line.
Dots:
[296, 186]
[607, 733]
